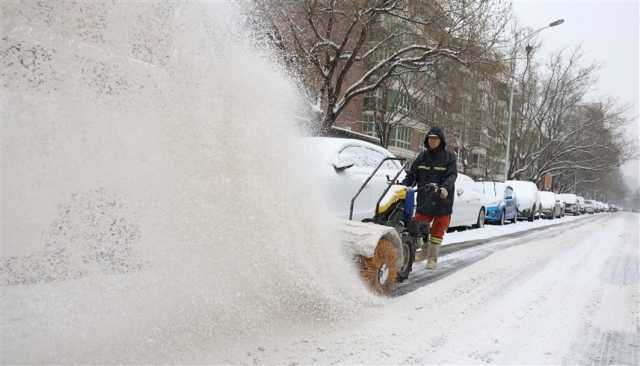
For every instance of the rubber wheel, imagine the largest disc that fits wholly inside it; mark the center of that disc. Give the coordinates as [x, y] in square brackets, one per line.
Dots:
[380, 272]
[533, 214]
[409, 255]
[480, 223]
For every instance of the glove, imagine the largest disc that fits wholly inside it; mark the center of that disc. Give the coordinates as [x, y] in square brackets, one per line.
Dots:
[443, 193]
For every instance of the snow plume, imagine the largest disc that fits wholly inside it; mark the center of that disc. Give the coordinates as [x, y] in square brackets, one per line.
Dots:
[153, 193]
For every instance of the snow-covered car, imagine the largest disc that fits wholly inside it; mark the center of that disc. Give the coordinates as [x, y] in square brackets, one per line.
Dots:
[570, 203]
[549, 207]
[528, 198]
[580, 203]
[344, 165]
[501, 203]
[468, 205]
[560, 202]
[589, 206]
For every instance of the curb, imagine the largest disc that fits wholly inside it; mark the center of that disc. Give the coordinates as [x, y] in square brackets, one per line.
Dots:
[454, 247]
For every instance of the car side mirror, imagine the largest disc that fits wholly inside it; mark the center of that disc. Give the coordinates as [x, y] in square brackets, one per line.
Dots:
[460, 191]
[342, 164]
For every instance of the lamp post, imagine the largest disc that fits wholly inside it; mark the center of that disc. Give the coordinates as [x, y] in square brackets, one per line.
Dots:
[511, 78]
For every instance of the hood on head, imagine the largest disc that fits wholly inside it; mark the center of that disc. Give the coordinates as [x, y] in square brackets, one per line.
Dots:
[435, 131]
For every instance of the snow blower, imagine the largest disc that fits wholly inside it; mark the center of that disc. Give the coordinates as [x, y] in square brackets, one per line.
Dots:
[385, 245]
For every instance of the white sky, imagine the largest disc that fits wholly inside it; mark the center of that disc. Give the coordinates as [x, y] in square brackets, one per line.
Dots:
[608, 31]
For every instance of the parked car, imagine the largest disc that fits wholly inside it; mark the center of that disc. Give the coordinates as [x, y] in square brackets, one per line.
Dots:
[580, 203]
[501, 203]
[549, 207]
[528, 198]
[571, 205]
[469, 204]
[344, 165]
[560, 202]
[589, 206]
[597, 206]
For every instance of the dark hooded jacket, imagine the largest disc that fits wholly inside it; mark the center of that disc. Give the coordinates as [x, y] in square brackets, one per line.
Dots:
[437, 166]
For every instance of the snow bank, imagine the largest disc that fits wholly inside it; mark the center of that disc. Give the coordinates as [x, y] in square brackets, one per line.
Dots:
[492, 231]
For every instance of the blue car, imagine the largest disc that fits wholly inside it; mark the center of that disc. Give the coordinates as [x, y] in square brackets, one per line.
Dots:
[501, 202]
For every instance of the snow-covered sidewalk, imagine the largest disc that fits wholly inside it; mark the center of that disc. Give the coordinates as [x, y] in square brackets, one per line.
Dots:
[494, 231]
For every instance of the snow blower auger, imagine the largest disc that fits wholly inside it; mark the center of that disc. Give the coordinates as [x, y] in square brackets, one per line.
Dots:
[398, 212]
[385, 245]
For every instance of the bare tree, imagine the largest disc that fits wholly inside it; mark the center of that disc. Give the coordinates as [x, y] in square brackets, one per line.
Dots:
[399, 102]
[345, 49]
[558, 132]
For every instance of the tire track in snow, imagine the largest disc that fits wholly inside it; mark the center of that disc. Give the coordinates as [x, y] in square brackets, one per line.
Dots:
[451, 261]
[607, 342]
[537, 303]
[537, 310]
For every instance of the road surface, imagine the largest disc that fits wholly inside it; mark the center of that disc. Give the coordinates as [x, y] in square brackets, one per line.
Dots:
[565, 294]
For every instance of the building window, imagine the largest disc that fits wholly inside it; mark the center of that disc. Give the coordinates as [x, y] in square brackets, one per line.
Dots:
[477, 161]
[372, 101]
[401, 137]
[422, 136]
[399, 101]
[369, 124]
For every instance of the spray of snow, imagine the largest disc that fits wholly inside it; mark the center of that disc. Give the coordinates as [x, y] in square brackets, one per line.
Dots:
[154, 195]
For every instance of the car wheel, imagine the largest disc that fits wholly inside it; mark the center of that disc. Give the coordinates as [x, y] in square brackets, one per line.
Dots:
[502, 218]
[480, 222]
[380, 271]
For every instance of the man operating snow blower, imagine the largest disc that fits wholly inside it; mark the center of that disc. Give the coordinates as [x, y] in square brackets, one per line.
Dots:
[434, 171]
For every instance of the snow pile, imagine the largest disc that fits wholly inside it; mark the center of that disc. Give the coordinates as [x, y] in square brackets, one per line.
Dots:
[153, 195]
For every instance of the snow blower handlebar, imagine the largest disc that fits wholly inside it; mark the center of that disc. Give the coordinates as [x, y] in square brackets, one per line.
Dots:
[429, 188]
[353, 200]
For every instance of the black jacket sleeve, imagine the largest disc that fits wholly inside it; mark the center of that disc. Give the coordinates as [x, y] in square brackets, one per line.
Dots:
[451, 173]
[412, 175]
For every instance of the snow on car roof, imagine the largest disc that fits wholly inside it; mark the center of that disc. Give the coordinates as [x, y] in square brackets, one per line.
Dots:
[330, 146]
[337, 143]
[547, 198]
[569, 197]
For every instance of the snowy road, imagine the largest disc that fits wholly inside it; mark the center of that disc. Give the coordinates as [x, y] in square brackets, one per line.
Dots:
[569, 295]
[565, 294]
[481, 246]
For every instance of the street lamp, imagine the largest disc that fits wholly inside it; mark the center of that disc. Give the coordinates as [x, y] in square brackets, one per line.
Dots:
[512, 76]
